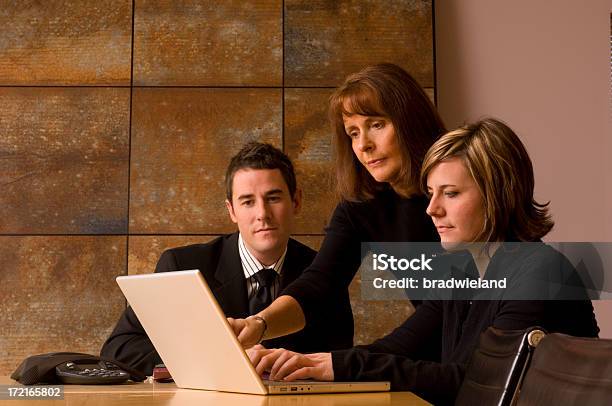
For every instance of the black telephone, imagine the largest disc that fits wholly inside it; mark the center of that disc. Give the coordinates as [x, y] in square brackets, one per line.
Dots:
[73, 368]
[81, 372]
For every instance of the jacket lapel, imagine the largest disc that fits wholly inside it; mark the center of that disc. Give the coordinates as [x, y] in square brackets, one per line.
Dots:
[231, 291]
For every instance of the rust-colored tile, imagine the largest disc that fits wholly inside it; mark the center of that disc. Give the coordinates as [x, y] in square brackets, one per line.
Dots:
[431, 94]
[64, 160]
[208, 43]
[182, 141]
[375, 318]
[313, 241]
[58, 294]
[144, 251]
[308, 143]
[65, 43]
[326, 41]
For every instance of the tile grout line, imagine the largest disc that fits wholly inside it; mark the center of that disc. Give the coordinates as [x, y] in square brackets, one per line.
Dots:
[283, 76]
[170, 87]
[139, 235]
[433, 34]
[127, 237]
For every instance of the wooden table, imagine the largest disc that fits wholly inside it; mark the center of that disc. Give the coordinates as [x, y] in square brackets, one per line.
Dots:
[157, 394]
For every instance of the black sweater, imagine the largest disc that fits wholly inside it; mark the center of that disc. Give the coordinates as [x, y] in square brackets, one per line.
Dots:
[458, 325]
[386, 218]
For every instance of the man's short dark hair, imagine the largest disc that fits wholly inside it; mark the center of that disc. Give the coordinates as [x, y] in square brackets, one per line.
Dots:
[258, 155]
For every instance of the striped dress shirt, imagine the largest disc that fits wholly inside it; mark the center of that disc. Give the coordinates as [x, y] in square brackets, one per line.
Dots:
[250, 266]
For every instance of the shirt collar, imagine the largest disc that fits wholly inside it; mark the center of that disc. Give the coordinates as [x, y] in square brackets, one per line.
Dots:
[250, 264]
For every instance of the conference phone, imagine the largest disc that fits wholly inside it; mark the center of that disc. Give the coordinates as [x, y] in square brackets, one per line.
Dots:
[86, 372]
[73, 368]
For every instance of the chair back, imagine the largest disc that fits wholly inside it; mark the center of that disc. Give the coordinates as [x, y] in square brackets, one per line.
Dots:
[497, 366]
[568, 370]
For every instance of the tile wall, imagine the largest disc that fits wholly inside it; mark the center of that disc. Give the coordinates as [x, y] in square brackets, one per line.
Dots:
[117, 119]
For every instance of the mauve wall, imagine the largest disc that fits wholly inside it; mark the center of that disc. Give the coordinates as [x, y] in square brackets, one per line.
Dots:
[117, 119]
[544, 68]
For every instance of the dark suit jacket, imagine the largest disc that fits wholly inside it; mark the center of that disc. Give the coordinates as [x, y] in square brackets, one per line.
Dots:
[219, 262]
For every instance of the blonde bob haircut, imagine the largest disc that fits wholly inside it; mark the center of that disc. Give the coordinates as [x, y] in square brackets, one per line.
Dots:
[499, 164]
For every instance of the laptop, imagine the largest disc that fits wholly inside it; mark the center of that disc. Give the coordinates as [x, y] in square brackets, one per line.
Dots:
[192, 336]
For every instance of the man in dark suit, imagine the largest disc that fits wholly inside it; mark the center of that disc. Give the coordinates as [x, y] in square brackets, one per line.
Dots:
[248, 269]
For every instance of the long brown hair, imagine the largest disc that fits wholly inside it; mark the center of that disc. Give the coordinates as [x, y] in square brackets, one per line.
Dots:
[499, 164]
[389, 91]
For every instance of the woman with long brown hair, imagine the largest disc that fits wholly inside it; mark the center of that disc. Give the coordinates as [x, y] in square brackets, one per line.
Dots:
[384, 123]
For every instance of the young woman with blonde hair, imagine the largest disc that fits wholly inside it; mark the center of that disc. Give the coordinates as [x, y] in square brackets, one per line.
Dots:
[480, 182]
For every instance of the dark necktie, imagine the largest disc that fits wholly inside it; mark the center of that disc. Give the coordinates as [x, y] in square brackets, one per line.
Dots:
[263, 296]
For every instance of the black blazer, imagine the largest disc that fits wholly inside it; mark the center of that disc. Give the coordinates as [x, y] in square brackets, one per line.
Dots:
[219, 262]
